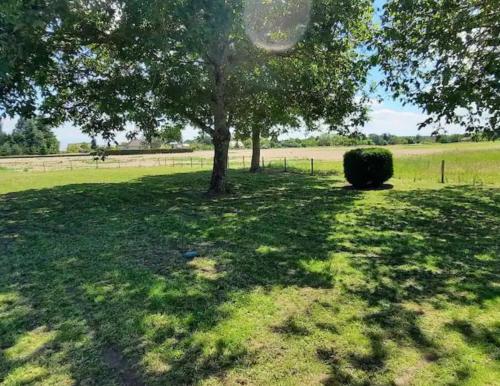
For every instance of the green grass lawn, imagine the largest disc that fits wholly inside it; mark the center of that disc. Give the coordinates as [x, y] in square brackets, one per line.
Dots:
[299, 280]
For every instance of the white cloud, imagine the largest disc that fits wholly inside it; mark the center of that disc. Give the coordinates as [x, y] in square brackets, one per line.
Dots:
[399, 122]
[8, 124]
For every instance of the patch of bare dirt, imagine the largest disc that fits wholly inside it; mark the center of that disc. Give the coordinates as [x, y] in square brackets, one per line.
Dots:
[127, 375]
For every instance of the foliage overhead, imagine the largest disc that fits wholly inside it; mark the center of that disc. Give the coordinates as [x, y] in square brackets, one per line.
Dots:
[102, 64]
[444, 56]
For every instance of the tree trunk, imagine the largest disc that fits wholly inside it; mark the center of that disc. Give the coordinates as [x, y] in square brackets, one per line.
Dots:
[221, 137]
[218, 183]
[255, 165]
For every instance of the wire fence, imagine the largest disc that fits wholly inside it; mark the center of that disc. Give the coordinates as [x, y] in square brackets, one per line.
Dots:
[292, 165]
[414, 170]
[46, 165]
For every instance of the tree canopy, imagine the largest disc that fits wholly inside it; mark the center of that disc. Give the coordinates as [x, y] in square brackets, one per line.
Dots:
[102, 64]
[443, 55]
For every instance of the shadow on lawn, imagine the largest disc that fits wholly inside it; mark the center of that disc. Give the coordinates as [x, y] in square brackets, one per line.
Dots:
[101, 264]
[437, 248]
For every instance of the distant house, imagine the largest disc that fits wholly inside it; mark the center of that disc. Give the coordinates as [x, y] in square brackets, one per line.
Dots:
[134, 144]
[178, 145]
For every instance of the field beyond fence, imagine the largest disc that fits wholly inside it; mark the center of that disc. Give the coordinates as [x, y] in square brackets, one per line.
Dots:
[463, 163]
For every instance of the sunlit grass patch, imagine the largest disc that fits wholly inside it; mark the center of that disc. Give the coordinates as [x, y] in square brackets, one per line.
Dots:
[29, 344]
[25, 375]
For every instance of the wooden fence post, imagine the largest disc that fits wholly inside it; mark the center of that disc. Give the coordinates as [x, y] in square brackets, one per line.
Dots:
[442, 171]
[285, 164]
[312, 166]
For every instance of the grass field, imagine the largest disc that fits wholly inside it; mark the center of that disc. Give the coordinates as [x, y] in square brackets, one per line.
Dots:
[299, 281]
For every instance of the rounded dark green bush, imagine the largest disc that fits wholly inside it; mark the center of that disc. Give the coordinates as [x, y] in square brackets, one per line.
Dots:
[368, 167]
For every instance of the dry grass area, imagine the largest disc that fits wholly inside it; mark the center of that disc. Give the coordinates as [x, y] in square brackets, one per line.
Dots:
[337, 153]
[238, 157]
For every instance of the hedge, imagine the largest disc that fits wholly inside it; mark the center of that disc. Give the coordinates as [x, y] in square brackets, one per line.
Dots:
[368, 167]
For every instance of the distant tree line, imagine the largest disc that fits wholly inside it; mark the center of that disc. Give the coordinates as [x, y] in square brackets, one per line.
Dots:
[314, 141]
[389, 139]
[31, 137]
[203, 142]
[371, 139]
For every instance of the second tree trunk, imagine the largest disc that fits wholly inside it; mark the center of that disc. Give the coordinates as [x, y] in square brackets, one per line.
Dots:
[255, 165]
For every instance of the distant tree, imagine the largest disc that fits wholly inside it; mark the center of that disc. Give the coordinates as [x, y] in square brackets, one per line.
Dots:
[3, 136]
[377, 139]
[73, 148]
[83, 147]
[157, 137]
[443, 138]
[443, 55]
[10, 148]
[4, 145]
[32, 136]
[263, 116]
[202, 142]
[204, 138]
[170, 133]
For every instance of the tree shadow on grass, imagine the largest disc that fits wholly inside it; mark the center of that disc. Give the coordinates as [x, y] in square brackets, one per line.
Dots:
[93, 282]
[100, 265]
[381, 187]
[420, 249]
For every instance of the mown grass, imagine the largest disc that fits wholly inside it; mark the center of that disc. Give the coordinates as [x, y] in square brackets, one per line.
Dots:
[299, 281]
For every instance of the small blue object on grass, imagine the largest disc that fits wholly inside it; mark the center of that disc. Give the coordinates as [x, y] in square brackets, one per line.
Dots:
[190, 254]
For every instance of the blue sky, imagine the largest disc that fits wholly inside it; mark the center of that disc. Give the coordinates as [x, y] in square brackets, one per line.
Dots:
[388, 116]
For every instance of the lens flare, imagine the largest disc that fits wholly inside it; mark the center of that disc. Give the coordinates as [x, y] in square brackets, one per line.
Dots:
[276, 25]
